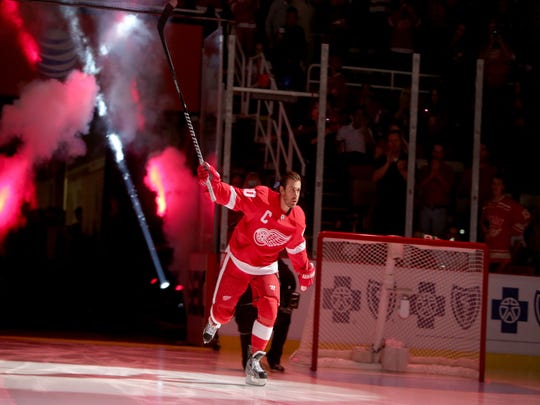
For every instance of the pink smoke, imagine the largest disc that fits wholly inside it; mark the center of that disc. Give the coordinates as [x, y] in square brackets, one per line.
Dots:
[168, 176]
[49, 116]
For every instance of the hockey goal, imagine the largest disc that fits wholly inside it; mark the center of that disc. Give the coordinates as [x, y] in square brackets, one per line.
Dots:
[398, 304]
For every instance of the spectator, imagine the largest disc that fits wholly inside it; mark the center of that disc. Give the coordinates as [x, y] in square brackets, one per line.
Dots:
[498, 57]
[305, 18]
[356, 145]
[390, 179]
[244, 12]
[275, 19]
[404, 23]
[435, 185]
[259, 74]
[433, 121]
[338, 30]
[289, 55]
[459, 52]
[337, 85]
[355, 140]
[378, 114]
[378, 13]
[402, 116]
[503, 222]
[434, 34]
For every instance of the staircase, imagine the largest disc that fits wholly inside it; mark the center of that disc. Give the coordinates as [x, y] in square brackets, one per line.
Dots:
[261, 122]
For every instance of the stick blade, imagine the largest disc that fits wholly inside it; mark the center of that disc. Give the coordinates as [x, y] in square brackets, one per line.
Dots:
[165, 14]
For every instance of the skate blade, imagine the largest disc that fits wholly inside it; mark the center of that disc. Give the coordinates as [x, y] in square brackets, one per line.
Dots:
[255, 381]
[207, 339]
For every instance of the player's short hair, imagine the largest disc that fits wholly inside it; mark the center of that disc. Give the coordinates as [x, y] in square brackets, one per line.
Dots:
[503, 177]
[289, 176]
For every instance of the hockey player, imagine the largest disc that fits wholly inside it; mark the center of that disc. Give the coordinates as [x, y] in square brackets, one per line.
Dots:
[503, 222]
[272, 222]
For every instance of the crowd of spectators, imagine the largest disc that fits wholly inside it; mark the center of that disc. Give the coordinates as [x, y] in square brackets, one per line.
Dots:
[368, 128]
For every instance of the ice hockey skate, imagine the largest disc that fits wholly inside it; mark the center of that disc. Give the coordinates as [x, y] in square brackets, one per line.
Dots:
[255, 374]
[209, 331]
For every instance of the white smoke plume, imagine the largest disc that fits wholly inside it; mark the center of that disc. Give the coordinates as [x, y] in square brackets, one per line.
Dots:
[50, 115]
[132, 74]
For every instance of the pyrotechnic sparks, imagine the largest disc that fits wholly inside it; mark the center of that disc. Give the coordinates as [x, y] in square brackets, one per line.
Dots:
[15, 188]
[168, 175]
[154, 181]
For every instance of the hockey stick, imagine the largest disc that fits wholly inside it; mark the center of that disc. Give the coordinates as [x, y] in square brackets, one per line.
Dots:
[167, 12]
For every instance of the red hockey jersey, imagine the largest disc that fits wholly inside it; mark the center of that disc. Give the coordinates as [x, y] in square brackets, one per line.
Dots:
[264, 230]
[504, 219]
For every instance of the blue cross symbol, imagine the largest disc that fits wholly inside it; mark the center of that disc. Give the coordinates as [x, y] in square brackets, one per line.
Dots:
[510, 310]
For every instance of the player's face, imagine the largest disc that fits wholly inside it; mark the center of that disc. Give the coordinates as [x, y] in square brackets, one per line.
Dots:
[497, 187]
[290, 194]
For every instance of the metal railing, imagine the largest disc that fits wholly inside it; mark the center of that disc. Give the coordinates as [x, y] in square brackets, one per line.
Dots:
[386, 79]
[266, 107]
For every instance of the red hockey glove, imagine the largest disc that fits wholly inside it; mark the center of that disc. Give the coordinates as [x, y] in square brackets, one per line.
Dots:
[206, 171]
[306, 279]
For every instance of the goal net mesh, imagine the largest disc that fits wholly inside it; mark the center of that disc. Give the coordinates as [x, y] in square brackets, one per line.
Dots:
[416, 304]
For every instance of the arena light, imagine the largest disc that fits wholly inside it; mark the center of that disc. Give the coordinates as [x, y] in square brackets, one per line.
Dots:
[117, 33]
[126, 26]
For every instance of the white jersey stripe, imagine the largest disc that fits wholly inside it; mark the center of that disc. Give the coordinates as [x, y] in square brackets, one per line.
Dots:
[232, 199]
[261, 331]
[300, 248]
[218, 282]
[249, 269]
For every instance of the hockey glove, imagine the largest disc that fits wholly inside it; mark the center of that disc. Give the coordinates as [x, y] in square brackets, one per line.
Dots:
[205, 172]
[306, 279]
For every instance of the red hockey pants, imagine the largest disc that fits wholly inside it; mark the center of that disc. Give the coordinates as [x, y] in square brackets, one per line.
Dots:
[231, 284]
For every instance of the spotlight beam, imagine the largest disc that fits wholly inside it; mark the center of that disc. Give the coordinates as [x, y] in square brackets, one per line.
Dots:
[116, 146]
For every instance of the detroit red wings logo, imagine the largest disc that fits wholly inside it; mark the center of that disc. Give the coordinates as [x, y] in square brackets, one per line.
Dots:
[270, 237]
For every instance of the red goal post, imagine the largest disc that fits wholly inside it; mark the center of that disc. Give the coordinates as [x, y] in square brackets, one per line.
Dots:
[433, 293]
